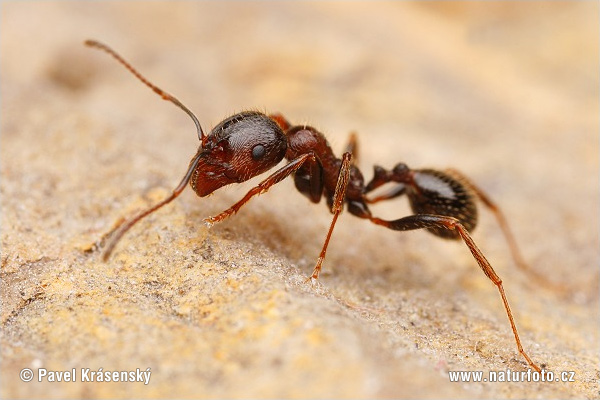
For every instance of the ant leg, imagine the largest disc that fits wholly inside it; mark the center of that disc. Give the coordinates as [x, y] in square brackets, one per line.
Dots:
[381, 177]
[399, 190]
[504, 227]
[336, 208]
[423, 221]
[283, 123]
[352, 147]
[124, 225]
[485, 199]
[263, 186]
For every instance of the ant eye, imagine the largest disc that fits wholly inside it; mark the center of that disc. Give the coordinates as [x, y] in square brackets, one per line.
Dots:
[258, 152]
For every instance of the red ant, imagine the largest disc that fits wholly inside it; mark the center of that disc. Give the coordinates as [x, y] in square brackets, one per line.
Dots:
[250, 143]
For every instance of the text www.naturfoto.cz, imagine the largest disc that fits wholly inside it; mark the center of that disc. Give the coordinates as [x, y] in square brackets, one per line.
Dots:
[511, 376]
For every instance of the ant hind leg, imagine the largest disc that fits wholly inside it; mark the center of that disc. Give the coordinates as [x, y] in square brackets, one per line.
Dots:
[506, 231]
[424, 221]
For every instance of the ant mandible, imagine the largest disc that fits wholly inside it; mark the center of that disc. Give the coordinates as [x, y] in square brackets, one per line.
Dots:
[250, 143]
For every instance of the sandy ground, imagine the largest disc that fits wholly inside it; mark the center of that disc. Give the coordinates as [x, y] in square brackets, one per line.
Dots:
[505, 92]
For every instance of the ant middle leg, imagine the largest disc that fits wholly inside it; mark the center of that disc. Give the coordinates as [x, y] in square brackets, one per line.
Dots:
[397, 191]
[428, 221]
[336, 209]
[380, 177]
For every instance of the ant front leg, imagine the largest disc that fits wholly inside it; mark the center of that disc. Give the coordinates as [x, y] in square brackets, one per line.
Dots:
[336, 209]
[263, 186]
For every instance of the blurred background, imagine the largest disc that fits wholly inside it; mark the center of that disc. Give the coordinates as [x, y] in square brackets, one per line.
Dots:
[506, 92]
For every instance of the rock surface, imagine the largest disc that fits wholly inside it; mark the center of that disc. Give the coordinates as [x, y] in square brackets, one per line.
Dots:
[507, 93]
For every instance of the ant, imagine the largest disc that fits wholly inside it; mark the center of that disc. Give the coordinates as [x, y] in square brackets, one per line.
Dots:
[250, 143]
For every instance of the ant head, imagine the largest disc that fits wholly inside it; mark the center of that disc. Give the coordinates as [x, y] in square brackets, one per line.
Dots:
[239, 148]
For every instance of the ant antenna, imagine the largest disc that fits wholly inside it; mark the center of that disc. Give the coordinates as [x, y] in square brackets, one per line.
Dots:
[166, 96]
[122, 227]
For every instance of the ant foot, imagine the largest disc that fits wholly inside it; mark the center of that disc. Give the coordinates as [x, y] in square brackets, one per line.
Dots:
[92, 247]
[316, 271]
[313, 280]
[210, 221]
[89, 247]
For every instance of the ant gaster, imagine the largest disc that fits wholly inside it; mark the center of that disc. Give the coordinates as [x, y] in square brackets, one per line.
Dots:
[250, 143]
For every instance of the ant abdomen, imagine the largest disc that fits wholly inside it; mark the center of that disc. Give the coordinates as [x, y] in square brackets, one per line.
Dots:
[438, 193]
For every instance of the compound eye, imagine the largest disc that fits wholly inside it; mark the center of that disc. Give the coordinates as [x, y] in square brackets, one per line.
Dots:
[258, 152]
